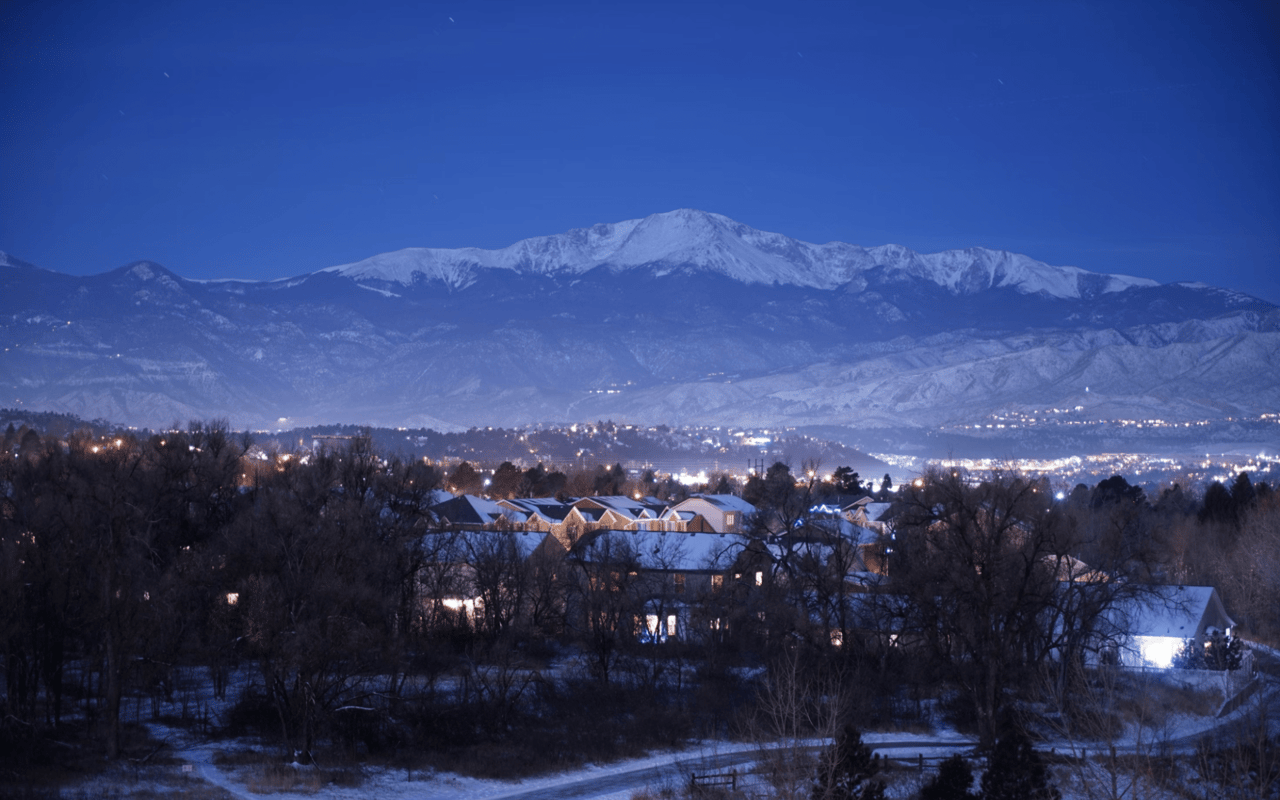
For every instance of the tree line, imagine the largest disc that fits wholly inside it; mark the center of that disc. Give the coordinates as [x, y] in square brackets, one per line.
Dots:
[327, 581]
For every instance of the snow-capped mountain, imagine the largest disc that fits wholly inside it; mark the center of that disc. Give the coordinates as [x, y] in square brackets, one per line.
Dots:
[686, 238]
[684, 317]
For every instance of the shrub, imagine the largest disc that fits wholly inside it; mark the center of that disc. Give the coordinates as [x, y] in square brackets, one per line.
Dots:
[952, 782]
[845, 771]
[1015, 771]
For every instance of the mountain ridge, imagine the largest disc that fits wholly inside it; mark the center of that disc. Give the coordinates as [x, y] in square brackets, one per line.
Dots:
[712, 241]
[679, 328]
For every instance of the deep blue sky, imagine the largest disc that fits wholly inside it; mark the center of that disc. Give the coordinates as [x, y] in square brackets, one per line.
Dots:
[1132, 137]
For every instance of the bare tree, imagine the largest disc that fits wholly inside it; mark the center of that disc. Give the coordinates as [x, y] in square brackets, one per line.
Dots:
[978, 562]
[604, 610]
[797, 703]
[313, 572]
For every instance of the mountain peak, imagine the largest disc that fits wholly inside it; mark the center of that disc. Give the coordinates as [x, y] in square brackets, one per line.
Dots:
[7, 260]
[688, 238]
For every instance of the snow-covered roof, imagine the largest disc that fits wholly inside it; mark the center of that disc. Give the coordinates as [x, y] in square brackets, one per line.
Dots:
[480, 544]
[467, 509]
[689, 551]
[672, 550]
[727, 502]
[626, 506]
[1182, 612]
[843, 527]
[875, 511]
[548, 508]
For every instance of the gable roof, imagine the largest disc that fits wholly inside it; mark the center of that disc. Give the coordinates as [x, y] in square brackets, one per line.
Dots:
[727, 502]
[467, 509]
[876, 511]
[1183, 612]
[548, 508]
[628, 507]
[671, 550]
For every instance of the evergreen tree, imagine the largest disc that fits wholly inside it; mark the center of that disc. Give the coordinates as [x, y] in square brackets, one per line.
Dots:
[846, 769]
[1189, 656]
[952, 781]
[1242, 493]
[1220, 652]
[1015, 772]
[1223, 652]
[608, 482]
[847, 481]
[1218, 506]
[464, 479]
[506, 481]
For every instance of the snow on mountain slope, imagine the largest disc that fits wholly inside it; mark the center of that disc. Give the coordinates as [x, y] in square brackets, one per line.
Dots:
[690, 238]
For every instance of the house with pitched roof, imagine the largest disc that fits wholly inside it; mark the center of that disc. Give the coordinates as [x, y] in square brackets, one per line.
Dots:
[471, 576]
[672, 578]
[724, 513]
[616, 512]
[1148, 630]
[470, 512]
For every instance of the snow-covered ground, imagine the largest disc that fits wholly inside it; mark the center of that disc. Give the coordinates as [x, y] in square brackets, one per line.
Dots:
[209, 768]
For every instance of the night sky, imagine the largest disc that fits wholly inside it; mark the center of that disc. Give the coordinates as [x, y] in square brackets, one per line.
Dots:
[261, 140]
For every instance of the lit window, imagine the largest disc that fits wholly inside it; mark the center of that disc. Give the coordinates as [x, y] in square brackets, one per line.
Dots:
[233, 598]
[716, 582]
[1158, 651]
[759, 579]
[651, 624]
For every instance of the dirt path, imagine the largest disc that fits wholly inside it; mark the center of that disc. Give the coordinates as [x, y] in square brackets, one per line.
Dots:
[199, 755]
[620, 785]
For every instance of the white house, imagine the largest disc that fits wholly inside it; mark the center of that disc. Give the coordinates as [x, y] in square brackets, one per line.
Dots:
[1148, 631]
[726, 513]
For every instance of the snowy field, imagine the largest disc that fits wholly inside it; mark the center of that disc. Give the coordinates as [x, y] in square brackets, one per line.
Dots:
[198, 767]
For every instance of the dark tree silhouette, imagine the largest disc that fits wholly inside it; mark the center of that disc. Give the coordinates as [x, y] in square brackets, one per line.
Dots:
[978, 565]
[846, 770]
[506, 482]
[465, 480]
[1015, 771]
[953, 781]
